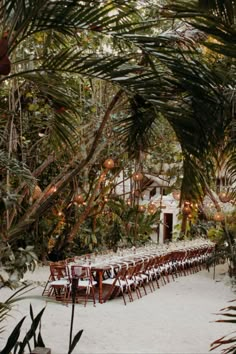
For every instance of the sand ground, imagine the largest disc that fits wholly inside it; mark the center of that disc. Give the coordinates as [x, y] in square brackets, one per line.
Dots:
[177, 318]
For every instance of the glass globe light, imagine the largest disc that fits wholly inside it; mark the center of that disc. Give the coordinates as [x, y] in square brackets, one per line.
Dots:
[109, 164]
[137, 176]
[141, 208]
[224, 196]
[186, 210]
[218, 216]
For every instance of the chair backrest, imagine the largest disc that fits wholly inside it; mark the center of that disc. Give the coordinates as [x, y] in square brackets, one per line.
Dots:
[59, 272]
[79, 271]
[148, 264]
[130, 271]
[120, 275]
[139, 267]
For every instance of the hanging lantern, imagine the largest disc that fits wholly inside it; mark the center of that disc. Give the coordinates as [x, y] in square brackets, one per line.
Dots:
[141, 208]
[218, 216]
[186, 209]
[79, 199]
[224, 196]
[128, 201]
[176, 194]
[36, 193]
[109, 164]
[137, 176]
[152, 208]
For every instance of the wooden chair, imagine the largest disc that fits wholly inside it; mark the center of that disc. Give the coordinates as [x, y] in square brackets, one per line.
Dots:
[159, 266]
[153, 273]
[46, 290]
[180, 262]
[86, 283]
[58, 285]
[131, 282]
[117, 284]
[140, 276]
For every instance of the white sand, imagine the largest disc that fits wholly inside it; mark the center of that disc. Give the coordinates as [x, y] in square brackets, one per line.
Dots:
[177, 318]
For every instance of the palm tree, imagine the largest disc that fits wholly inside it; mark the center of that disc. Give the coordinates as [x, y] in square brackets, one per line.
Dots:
[44, 68]
[163, 69]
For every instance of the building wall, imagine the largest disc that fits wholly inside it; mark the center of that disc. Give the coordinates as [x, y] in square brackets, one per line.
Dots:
[167, 204]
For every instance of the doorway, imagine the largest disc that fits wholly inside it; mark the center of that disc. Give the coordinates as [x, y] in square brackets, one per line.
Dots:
[168, 227]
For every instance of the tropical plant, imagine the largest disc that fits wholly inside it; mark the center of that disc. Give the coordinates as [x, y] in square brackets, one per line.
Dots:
[134, 223]
[16, 261]
[19, 347]
[224, 236]
[34, 333]
[163, 71]
[48, 115]
[6, 307]
[228, 341]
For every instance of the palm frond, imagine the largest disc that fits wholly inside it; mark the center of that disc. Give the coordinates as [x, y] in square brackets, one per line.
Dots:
[215, 18]
[227, 339]
[16, 168]
[61, 127]
[23, 18]
[137, 129]
[225, 9]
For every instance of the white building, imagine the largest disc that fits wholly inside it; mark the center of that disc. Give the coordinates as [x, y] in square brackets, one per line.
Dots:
[154, 192]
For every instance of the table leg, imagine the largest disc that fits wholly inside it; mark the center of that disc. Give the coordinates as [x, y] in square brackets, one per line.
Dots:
[100, 290]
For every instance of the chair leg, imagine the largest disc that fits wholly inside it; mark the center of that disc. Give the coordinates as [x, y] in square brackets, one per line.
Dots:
[123, 295]
[93, 294]
[129, 292]
[156, 277]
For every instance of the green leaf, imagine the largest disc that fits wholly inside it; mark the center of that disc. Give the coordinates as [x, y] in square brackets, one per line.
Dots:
[13, 338]
[75, 341]
[31, 331]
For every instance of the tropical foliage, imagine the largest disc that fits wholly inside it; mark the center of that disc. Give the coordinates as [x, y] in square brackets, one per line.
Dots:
[229, 341]
[33, 337]
[85, 80]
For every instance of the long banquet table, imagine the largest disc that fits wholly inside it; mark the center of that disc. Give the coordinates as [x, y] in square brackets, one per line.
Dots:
[101, 264]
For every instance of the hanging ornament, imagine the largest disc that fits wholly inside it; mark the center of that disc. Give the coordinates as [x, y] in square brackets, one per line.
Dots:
[141, 208]
[186, 209]
[128, 201]
[137, 176]
[152, 208]
[109, 164]
[79, 199]
[218, 216]
[224, 196]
